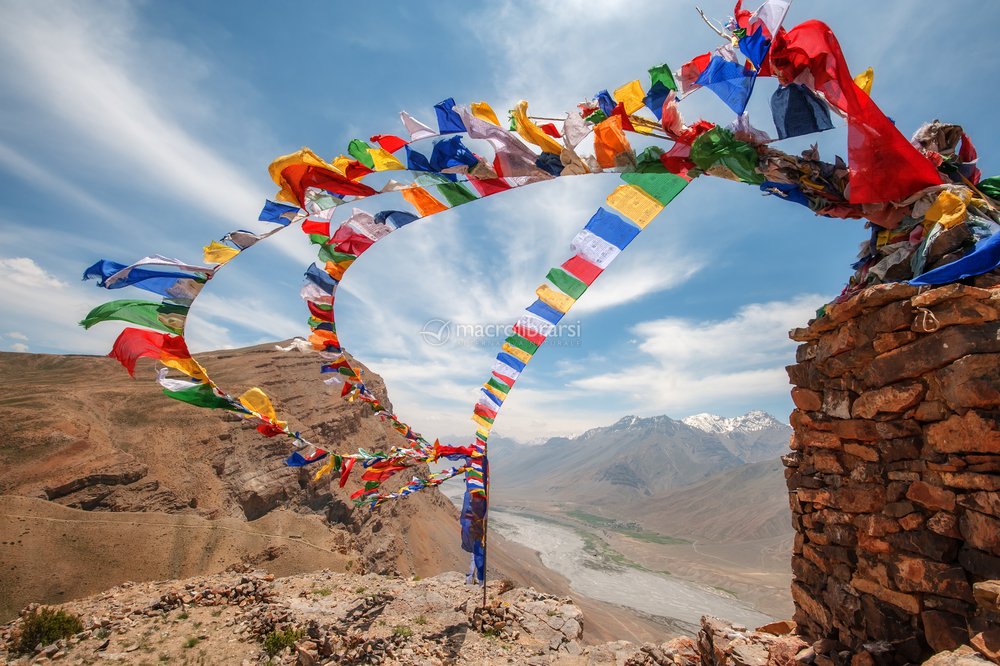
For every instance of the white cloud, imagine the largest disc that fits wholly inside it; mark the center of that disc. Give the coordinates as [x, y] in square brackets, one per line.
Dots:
[47, 309]
[18, 347]
[683, 364]
[558, 52]
[17, 335]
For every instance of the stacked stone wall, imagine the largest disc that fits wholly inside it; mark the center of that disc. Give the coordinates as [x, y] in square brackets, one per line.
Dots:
[894, 474]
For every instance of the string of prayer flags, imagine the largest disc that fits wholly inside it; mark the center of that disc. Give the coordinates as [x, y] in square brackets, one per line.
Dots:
[910, 193]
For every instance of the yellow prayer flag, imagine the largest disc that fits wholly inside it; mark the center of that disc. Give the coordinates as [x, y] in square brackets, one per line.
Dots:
[555, 299]
[325, 469]
[188, 366]
[948, 209]
[257, 401]
[519, 354]
[304, 156]
[484, 111]
[384, 160]
[217, 253]
[422, 200]
[631, 95]
[532, 133]
[340, 164]
[883, 237]
[633, 202]
[483, 423]
[865, 79]
[480, 431]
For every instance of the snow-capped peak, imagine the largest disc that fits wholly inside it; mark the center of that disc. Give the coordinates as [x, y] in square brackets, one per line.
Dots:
[752, 421]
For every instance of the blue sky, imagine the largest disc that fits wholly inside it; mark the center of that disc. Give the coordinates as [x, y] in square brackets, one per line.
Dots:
[137, 128]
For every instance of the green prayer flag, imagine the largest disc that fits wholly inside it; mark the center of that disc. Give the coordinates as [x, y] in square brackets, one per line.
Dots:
[596, 117]
[201, 395]
[661, 186]
[522, 343]
[456, 194]
[566, 283]
[498, 385]
[718, 147]
[359, 151]
[327, 253]
[648, 161]
[990, 187]
[662, 74]
[161, 316]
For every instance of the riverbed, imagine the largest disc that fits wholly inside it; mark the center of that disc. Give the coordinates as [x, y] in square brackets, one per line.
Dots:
[590, 572]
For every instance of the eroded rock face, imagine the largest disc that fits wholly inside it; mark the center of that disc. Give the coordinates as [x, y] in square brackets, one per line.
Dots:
[894, 477]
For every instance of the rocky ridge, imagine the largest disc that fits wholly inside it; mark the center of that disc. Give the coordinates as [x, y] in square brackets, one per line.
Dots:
[250, 617]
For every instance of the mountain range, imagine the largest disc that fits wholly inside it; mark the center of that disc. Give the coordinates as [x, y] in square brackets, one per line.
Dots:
[633, 458]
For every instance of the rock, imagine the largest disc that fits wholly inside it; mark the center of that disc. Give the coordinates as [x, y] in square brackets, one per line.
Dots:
[987, 594]
[963, 656]
[889, 399]
[806, 400]
[987, 643]
[972, 381]
[944, 631]
[572, 629]
[907, 602]
[981, 531]
[931, 497]
[778, 628]
[306, 654]
[971, 433]
[931, 352]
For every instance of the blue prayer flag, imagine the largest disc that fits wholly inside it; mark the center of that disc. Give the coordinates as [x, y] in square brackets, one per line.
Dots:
[449, 122]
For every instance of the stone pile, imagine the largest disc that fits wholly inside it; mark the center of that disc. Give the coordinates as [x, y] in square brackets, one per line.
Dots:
[894, 474]
[250, 589]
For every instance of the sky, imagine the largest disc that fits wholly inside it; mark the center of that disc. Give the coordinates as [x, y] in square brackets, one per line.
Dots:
[136, 128]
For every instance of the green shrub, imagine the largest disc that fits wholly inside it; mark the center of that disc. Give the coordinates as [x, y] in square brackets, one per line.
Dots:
[46, 626]
[191, 642]
[276, 641]
[402, 630]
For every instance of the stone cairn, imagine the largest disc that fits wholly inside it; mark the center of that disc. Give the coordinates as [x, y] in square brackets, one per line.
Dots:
[894, 472]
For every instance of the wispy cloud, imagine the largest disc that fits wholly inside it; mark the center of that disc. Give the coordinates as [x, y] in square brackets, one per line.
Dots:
[76, 70]
[682, 363]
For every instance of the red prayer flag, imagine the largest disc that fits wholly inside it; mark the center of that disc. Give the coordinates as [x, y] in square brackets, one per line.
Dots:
[135, 343]
[316, 227]
[269, 429]
[389, 142]
[550, 129]
[346, 471]
[300, 176]
[692, 69]
[349, 241]
[619, 111]
[883, 165]
[488, 186]
[581, 269]
[529, 334]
